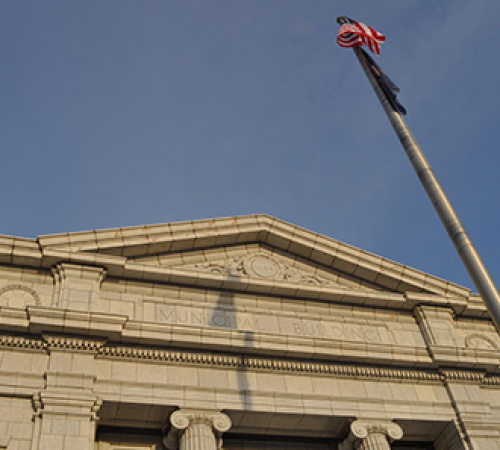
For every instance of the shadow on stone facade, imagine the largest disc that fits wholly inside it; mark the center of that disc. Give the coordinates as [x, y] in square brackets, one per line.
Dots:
[226, 302]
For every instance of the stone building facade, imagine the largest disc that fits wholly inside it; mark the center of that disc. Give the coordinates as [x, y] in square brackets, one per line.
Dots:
[240, 333]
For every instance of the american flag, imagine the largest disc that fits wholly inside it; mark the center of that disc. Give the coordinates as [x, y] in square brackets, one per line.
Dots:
[355, 34]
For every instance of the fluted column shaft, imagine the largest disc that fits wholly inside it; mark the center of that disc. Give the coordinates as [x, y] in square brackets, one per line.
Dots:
[374, 441]
[198, 436]
[196, 430]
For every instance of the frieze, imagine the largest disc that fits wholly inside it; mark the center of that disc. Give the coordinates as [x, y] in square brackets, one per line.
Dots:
[281, 324]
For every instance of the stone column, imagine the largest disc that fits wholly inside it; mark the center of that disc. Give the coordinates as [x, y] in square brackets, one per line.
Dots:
[371, 435]
[196, 430]
[66, 410]
[64, 421]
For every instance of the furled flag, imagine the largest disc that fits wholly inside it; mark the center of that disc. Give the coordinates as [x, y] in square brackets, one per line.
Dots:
[387, 85]
[355, 34]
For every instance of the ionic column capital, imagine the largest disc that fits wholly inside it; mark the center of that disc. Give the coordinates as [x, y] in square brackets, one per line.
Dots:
[362, 429]
[182, 419]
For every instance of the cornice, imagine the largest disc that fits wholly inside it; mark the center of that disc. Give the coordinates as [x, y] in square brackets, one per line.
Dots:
[22, 342]
[19, 251]
[102, 350]
[300, 367]
[463, 376]
[493, 381]
[267, 364]
[73, 343]
[49, 342]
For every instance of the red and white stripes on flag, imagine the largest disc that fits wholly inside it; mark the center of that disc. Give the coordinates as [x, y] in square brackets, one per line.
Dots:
[356, 34]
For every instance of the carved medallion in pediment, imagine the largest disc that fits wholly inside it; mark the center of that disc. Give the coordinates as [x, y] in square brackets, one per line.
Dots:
[260, 265]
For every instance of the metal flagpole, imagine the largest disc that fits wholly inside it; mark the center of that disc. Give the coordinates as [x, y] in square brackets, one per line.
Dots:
[470, 257]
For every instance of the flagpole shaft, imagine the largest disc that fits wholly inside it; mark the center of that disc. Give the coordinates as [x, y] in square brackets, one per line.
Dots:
[470, 257]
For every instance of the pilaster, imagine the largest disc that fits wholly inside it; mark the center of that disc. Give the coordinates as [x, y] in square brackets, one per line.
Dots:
[196, 430]
[64, 420]
[475, 418]
[436, 324]
[77, 287]
[66, 410]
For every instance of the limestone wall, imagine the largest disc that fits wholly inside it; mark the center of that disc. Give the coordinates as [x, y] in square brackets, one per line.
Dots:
[78, 348]
[16, 425]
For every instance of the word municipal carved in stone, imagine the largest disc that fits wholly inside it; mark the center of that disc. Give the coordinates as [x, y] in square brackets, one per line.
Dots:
[274, 324]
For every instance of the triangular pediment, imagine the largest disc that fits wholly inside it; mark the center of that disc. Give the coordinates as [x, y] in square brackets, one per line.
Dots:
[255, 253]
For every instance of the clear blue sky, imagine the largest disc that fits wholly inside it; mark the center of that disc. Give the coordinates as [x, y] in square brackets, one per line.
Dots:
[121, 113]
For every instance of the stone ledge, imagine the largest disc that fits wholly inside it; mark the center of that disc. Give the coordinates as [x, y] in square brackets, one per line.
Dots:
[54, 320]
[475, 359]
[20, 384]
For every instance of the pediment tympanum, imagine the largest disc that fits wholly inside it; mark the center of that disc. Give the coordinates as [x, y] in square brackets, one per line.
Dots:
[259, 265]
[257, 262]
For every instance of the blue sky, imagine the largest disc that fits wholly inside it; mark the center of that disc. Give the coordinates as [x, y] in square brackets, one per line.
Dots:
[139, 112]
